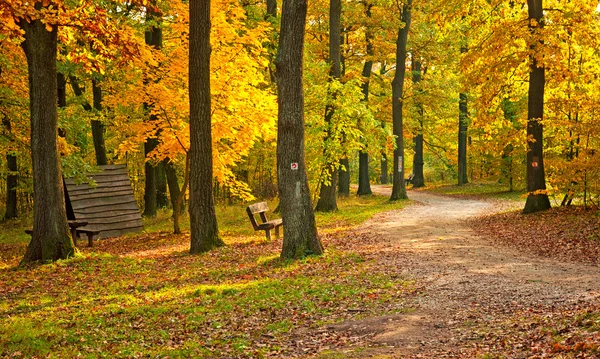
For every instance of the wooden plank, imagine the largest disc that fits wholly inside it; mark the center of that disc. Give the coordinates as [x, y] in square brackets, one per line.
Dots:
[74, 189]
[118, 232]
[258, 207]
[96, 202]
[104, 218]
[125, 207]
[99, 194]
[113, 226]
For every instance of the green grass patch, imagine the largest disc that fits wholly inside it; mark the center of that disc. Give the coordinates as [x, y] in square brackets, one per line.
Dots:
[492, 190]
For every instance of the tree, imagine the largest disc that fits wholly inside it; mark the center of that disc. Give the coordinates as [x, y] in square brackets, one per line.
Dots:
[327, 196]
[50, 239]
[12, 179]
[418, 178]
[364, 186]
[153, 38]
[203, 219]
[300, 231]
[399, 187]
[463, 126]
[537, 199]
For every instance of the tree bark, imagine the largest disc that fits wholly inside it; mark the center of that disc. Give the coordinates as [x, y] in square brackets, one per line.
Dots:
[153, 37]
[203, 219]
[364, 185]
[344, 177]
[98, 128]
[418, 177]
[399, 187]
[50, 239]
[537, 199]
[300, 231]
[12, 178]
[172, 182]
[384, 169]
[327, 196]
[463, 126]
[162, 200]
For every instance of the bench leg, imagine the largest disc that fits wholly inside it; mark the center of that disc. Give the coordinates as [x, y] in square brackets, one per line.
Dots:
[74, 235]
[90, 239]
[277, 232]
[268, 233]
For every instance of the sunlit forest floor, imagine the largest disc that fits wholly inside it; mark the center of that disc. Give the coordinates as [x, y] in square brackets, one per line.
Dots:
[373, 294]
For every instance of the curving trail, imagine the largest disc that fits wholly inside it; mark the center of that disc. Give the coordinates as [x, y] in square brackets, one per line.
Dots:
[463, 277]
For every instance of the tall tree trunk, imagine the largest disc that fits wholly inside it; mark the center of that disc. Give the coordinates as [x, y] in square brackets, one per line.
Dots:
[399, 187]
[98, 127]
[537, 200]
[327, 197]
[364, 185]
[12, 178]
[172, 182]
[177, 198]
[463, 126]
[153, 37]
[50, 239]
[162, 200]
[418, 178]
[344, 177]
[384, 169]
[300, 231]
[203, 219]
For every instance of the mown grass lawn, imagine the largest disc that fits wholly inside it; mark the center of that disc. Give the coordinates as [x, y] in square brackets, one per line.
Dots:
[144, 296]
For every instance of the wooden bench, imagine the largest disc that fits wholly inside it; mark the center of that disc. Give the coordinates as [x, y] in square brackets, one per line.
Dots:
[261, 208]
[90, 235]
[75, 232]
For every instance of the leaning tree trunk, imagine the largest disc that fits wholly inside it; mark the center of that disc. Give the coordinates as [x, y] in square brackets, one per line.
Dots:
[172, 182]
[364, 185]
[50, 239]
[327, 196]
[399, 187]
[537, 199]
[203, 219]
[418, 176]
[299, 228]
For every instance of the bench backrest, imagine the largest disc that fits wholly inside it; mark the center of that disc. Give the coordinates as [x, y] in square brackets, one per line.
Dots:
[259, 208]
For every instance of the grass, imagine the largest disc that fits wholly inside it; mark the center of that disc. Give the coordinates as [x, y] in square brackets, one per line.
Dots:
[143, 296]
[490, 190]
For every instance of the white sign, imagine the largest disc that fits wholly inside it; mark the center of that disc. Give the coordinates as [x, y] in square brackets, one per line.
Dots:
[400, 164]
[294, 166]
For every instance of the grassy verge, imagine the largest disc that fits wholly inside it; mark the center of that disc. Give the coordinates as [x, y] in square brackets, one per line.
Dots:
[481, 190]
[144, 296]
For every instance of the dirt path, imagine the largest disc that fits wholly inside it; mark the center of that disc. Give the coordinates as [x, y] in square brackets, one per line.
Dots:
[464, 278]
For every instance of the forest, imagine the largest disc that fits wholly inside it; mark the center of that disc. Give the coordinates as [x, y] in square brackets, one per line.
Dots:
[324, 109]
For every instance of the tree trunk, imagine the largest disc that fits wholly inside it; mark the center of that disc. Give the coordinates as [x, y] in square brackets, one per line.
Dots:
[153, 37]
[537, 199]
[384, 169]
[399, 187]
[98, 127]
[300, 231]
[50, 239]
[344, 177]
[364, 185]
[162, 200]
[172, 182]
[272, 9]
[178, 199]
[327, 197]
[203, 219]
[463, 126]
[12, 179]
[418, 177]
